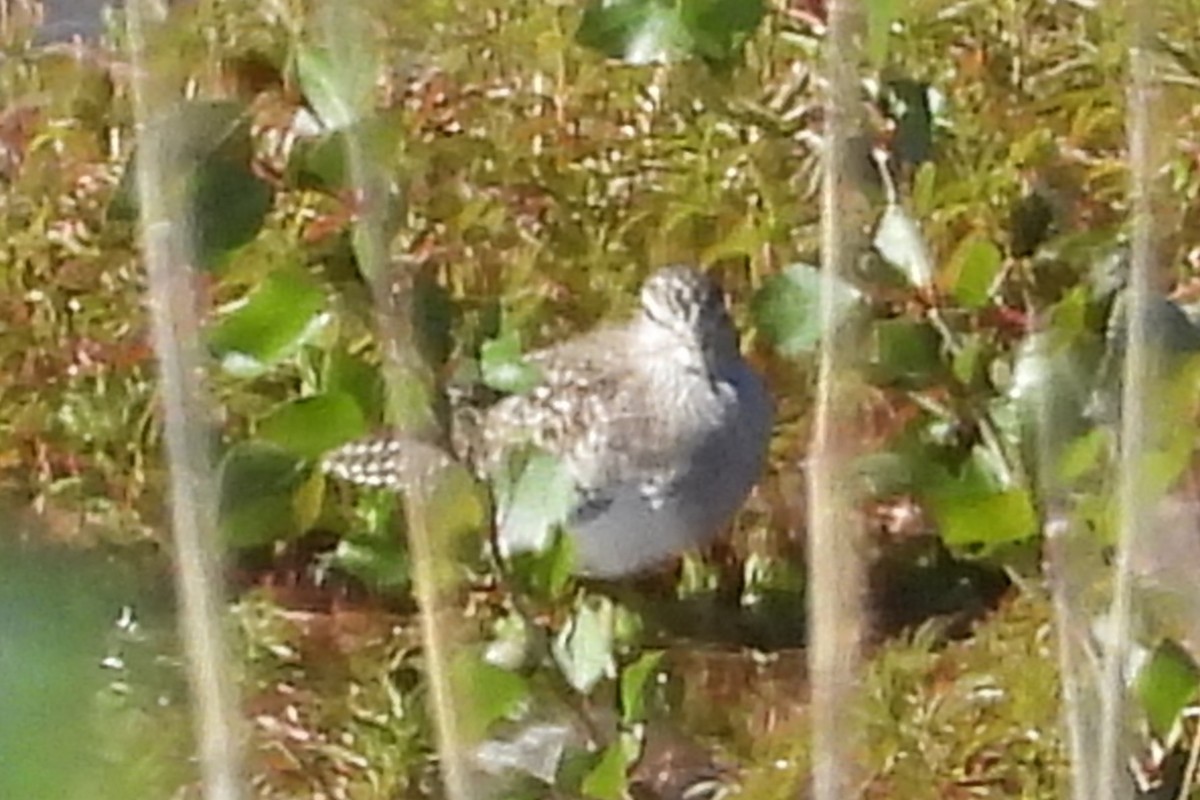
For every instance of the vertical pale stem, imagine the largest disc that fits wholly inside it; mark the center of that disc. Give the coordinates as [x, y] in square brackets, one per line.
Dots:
[409, 389]
[168, 253]
[1076, 672]
[439, 629]
[835, 553]
[1143, 166]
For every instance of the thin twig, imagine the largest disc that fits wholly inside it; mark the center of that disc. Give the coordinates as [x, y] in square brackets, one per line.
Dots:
[169, 254]
[835, 552]
[411, 396]
[1074, 672]
[1112, 780]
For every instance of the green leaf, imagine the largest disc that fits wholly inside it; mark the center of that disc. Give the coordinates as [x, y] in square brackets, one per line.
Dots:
[584, 648]
[1161, 468]
[744, 240]
[607, 780]
[905, 352]
[719, 28]
[973, 270]
[203, 130]
[1083, 455]
[514, 643]
[908, 103]
[340, 86]
[1166, 684]
[635, 31]
[985, 520]
[786, 308]
[1052, 386]
[967, 361]
[880, 16]
[504, 367]
[546, 574]
[535, 495]
[345, 373]
[899, 240]
[307, 501]
[635, 679]
[433, 313]
[229, 205]
[457, 513]
[381, 562]
[260, 484]
[924, 189]
[310, 426]
[495, 693]
[320, 163]
[269, 325]
[653, 31]
[976, 512]
[209, 153]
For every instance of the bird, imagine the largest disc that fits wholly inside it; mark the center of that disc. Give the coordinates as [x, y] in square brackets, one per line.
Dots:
[659, 423]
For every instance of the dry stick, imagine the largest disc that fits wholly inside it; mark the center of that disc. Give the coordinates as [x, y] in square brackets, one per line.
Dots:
[1112, 778]
[1070, 629]
[1189, 770]
[168, 253]
[835, 558]
[405, 375]
[438, 628]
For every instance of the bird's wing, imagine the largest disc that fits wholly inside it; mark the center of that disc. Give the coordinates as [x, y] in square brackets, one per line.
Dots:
[589, 410]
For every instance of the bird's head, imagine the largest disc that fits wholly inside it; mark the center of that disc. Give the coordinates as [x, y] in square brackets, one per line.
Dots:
[690, 307]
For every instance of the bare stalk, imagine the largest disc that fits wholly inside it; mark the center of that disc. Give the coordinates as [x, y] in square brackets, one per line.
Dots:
[409, 388]
[1076, 673]
[1112, 780]
[168, 252]
[835, 554]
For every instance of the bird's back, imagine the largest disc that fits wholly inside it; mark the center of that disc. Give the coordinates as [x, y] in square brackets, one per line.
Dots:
[659, 423]
[662, 456]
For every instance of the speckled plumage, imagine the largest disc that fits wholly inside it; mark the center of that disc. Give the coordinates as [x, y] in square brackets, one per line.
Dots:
[659, 421]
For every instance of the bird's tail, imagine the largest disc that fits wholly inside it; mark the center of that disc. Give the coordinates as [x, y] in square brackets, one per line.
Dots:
[389, 461]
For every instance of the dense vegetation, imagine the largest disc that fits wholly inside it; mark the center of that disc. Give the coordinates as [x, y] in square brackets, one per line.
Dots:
[533, 160]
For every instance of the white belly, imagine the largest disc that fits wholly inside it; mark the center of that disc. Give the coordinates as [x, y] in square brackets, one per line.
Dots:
[634, 531]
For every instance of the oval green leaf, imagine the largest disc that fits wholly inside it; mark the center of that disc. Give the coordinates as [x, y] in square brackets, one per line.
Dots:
[339, 86]
[495, 693]
[535, 495]
[905, 352]
[607, 780]
[1166, 685]
[310, 426]
[504, 367]
[348, 374]
[786, 308]
[381, 562]
[899, 240]
[584, 648]
[635, 680]
[976, 512]
[229, 205]
[269, 325]
[650, 31]
[973, 270]
[259, 486]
